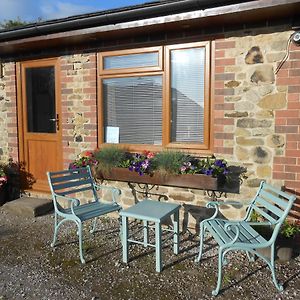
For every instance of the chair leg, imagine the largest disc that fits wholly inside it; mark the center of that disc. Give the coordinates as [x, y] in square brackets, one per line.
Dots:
[215, 292]
[94, 226]
[250, 256]
[56, 227]
[202, 234]
[79, 225]
[272, 267]
[55, 230]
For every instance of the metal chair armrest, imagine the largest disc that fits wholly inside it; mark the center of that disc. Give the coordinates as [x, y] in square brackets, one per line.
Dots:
[74, 202]
[115, 192]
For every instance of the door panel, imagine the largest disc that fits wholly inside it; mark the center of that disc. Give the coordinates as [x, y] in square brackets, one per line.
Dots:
[41, 136]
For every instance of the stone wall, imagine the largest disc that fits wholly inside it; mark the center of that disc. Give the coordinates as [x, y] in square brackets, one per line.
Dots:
[79, 111]
[257, 112]
[8, 114]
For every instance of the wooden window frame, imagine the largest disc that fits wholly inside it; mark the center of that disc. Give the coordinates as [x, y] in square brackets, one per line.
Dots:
[164, 70]
[130, 147]
[207, 108]
[102, 55]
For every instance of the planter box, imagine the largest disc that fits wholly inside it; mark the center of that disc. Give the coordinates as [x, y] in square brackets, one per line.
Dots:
[197, 181]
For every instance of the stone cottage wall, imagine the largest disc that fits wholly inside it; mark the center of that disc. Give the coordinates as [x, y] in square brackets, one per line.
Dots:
[257, 112]
[8, 114]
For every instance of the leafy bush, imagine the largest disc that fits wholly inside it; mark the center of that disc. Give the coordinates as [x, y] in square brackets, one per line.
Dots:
[290, 229]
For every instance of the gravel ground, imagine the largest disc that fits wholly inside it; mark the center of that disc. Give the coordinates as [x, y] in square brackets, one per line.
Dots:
[31, 269]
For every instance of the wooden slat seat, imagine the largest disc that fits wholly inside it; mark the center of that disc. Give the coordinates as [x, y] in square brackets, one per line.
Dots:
[92, 210]
[272, 204]
[247, 234]
[66, 185]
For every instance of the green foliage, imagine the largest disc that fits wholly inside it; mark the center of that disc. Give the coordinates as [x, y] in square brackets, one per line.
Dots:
[169, 162]
[289, 229]
[255, 216]
[10, 24]
[110, 157]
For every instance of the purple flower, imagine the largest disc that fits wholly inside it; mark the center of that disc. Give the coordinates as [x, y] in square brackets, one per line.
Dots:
[208, 172]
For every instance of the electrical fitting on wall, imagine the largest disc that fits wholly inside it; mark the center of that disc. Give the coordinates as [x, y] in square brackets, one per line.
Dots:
[295, 38]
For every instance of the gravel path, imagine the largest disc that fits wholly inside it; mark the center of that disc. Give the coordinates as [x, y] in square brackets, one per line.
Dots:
[31, 269]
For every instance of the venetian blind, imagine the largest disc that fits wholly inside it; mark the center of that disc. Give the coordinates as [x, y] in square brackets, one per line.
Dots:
[134, 106]
[187, 95]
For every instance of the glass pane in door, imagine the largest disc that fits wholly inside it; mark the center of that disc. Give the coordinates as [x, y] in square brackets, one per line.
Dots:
[40, 94]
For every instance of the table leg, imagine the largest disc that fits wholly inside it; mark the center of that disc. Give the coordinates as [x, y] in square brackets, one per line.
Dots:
[158, 246]
[146, 233]
[125, 238]
[176, 232]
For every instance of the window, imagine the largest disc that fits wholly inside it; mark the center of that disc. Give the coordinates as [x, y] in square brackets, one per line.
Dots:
[150, 102]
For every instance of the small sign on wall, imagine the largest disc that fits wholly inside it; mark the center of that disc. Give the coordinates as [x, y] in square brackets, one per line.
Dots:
[112, 135]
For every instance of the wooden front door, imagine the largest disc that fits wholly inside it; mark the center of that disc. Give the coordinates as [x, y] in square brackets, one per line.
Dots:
[39, 120]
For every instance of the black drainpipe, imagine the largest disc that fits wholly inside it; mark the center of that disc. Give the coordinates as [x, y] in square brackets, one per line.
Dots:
[154, 9]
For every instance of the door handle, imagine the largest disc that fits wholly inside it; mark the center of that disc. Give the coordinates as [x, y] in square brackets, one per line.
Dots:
[56, 120]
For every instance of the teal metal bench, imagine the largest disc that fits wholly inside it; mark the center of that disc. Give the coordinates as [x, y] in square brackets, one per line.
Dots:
[65, 185]
[272, 204]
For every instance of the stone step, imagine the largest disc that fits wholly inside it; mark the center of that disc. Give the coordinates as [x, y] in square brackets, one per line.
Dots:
[29, 206]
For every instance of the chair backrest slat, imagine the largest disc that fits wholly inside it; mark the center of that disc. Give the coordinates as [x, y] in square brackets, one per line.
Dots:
[269, 206]
[68, 176]
[72, 181]
[272, 204]
[265, 214]
[74, 191]
[280, 202]
[71, 184]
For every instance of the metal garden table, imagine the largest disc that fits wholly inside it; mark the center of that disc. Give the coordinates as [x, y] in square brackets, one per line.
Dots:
[151, 211]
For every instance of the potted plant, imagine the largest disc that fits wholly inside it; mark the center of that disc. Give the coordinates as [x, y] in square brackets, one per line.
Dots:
[171, 168]
[287, 240]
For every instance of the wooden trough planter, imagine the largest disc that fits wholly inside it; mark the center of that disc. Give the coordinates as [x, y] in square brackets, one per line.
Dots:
[196, 181]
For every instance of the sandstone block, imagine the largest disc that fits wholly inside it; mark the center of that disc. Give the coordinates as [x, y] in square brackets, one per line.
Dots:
[263, 73]
[242, 132]
[254, 56]
[249, 141]
[265, 114]
[265, 89]
[241, 76]
[275, 57]
[252, 96]
[241, 153]
[275, 141]
[236, 114]
[253, 123]
[274, 101]
[264, 171]
[254, 182]
[232, 84]
[262, 131]
[244, 106]
[232, 98]
[261, 155]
